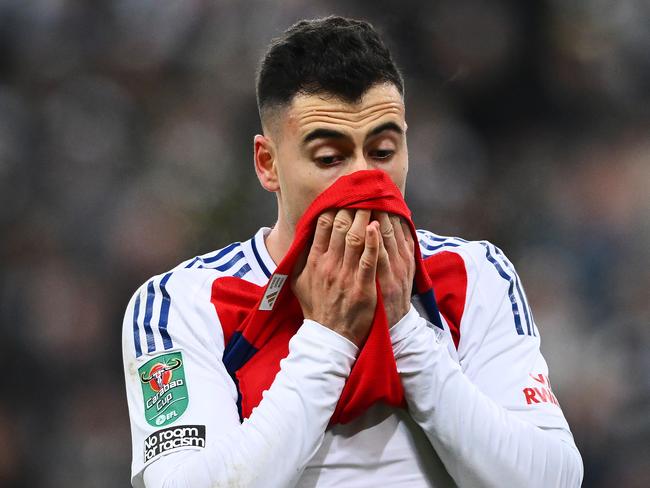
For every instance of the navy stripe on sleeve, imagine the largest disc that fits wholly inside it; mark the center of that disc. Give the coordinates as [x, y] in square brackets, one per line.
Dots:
[148, 312]
[164, 313]
[511, 287]
[242, 271]
[430, 243]
[231, 263]
[136, 328]
[235, 262]
[191, 263]
[431, 237]
[427, 247]
[221, 253]
[528, 314]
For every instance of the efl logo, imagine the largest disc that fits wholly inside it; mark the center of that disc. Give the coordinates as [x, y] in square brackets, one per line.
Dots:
[541, 393]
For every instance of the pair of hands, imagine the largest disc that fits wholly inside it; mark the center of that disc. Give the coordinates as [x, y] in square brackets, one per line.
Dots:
[336, 284]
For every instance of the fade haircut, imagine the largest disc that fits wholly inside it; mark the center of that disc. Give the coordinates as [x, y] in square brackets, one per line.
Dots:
[335, 56]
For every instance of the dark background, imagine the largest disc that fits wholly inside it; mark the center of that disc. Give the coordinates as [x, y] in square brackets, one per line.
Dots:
[126, 134]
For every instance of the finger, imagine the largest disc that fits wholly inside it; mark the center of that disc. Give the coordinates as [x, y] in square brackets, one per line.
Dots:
[400, 236]
[340, 227]
[355, 239]
[383, 259]
[387, 233]
[367, 271]
[323, 233]
[409, 249]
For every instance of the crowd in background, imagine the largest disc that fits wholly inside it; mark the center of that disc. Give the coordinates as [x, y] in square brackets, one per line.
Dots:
[126, 132]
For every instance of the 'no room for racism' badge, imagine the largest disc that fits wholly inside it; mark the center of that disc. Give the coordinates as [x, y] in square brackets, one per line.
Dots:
[164, 389]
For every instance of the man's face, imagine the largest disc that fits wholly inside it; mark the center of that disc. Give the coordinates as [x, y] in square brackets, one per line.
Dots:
[317, 139]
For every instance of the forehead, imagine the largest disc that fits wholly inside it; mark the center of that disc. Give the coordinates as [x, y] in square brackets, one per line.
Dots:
[380, 103]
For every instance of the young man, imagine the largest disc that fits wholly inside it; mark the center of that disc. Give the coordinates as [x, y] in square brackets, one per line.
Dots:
[478, 409]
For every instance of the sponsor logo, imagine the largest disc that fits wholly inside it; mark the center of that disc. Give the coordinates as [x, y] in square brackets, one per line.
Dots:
[173, 438]
[272, 291]
[542, 393]
[164, 389]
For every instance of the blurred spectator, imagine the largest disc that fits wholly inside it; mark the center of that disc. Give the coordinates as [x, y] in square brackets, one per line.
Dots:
[125, 147]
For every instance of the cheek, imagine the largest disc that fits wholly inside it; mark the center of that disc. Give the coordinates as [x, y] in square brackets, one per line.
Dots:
[311, 187]
[398, 175]
[300, 189]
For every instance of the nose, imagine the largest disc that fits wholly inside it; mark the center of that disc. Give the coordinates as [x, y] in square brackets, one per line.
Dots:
[360, 162]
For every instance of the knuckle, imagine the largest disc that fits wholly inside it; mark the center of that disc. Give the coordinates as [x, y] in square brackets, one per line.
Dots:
[353, 240]
[342, 223]
[372, 247]
[325, 221]
[365, 263]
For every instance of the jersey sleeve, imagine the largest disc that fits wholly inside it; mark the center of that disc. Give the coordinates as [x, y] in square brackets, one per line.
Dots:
[499, 347]
[176, 385]
[183, 403]
[476, 406]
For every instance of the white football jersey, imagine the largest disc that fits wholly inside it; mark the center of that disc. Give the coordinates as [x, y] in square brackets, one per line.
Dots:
[481, 411]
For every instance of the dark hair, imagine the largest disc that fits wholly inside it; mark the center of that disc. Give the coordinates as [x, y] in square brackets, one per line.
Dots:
[334, 55]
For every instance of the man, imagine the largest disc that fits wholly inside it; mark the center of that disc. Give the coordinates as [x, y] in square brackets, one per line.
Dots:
[477, 406]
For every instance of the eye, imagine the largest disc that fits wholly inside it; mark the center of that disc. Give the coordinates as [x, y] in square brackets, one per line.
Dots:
[329, 160]
[382, 154]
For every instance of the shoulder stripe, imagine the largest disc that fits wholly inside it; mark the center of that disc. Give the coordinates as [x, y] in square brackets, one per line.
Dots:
[163, 317]
[148, 312]
[220, 254]
[193, 262]
[511, 295]
[523, 318]
[164, 313]
[242, 271]
[439, 246]
[214, 261]
[231, 263]
[433, 238]
[430, 242]
[136, 328]
[528, 314]
[155, 288]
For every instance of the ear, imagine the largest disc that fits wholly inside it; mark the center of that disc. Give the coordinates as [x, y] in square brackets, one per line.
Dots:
[265, 162]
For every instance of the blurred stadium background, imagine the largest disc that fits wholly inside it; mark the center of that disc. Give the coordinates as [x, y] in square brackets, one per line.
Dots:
[125, 147]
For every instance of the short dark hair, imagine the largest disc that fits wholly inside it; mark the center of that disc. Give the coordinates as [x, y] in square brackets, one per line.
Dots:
[333, 55]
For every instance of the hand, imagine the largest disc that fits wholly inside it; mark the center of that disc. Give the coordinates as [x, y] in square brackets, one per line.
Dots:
[395, 266]
[336, 284]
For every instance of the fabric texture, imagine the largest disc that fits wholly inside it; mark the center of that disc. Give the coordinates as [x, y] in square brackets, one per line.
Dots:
[258, 322]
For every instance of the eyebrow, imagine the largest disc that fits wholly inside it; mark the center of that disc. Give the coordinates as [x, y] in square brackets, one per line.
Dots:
[334, 134]
[392, 126]
[323, 134]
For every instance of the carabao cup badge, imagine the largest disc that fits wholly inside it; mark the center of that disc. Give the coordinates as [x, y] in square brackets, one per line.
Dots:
[164, 389]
